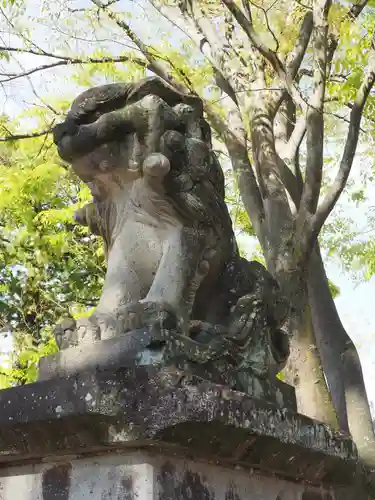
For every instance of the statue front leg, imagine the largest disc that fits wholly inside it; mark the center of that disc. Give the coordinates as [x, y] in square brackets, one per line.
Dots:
[184, 264]
[122, 286]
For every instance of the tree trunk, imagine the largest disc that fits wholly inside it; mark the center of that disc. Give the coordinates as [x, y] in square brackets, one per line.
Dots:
[341, 363]
[281, 250]
[304, 370]
[329, 333]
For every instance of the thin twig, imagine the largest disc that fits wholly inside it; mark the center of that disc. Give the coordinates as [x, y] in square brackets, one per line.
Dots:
[333, 40]
[270, 55]
[153, 63]
[16, 137]
[307, 7]
[265, 12]
[66, 61]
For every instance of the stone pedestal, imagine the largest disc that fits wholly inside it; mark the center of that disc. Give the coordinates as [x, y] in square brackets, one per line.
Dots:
[134, 349]
[141, 433]
[134, 475]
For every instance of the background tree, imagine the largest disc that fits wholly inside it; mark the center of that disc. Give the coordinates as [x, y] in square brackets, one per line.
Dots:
[49, 268]
[276, 79]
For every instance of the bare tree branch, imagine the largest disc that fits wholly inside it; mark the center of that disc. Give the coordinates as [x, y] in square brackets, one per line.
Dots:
[295, 58]
[364, 115]
[270, 176]
[194, 32]
[304, 38]
[36, 52]
[333, 77]
[287, 127]
[291, 181]
[265, 13]
[63, 61]
[17, 137]
[235, 141]
[189, 20]
[154, 64]
[270, 55]
[277, 170]
[298, 53]
[328, 203]
[287, 143]
[333, 40]
[290, 151]
[307, 7]
[315, 118]
[255, 39]
[284, 122]
[247, 9]
[45, 104]
[284, 126]
[73, 60]
[353, 14]
[191, 9]
[305, 33]
[214, 48]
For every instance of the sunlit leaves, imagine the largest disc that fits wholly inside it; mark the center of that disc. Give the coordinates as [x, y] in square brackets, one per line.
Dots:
[48, 265]
[22, 367]
[335, 290]
[350, 59]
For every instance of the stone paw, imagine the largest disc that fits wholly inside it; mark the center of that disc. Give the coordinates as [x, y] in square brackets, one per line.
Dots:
[87, 330]
[248, 315]
[65, 334]
[159, 315]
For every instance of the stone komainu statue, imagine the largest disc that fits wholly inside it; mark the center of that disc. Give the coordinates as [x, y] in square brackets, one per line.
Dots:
[145, 151]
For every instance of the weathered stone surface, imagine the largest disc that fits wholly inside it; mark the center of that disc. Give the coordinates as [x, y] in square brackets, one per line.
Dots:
[141, 407]
[145, 151]
[137, 349]
[149, 476]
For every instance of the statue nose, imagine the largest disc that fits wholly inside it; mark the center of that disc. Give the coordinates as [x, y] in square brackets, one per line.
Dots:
[65, 149]
[74, 141]
[68, 127]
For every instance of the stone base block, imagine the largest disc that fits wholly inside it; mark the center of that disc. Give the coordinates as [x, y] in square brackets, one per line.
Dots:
[144, 434]
[151, 476]
[132, 350]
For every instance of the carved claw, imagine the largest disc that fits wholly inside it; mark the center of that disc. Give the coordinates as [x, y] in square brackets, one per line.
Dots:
[70, 333]
[261, 347]
[65, 334]
[88, 330]
[248, 314]
[159, 315]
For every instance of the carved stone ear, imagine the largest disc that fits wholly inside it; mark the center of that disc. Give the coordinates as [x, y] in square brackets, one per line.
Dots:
[80, 217]
[89, 216]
